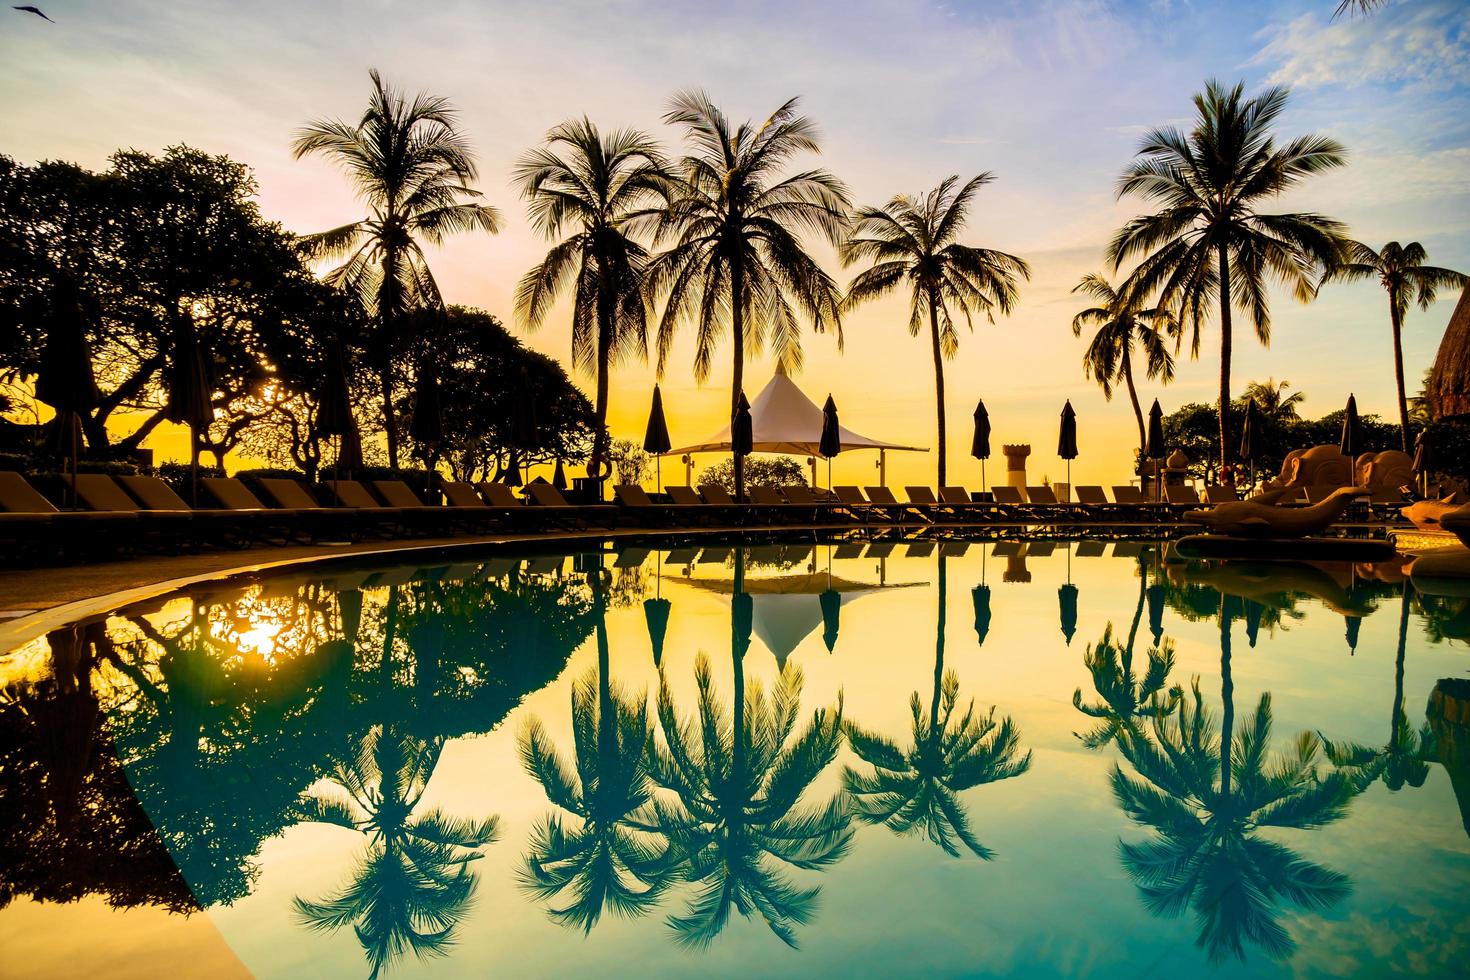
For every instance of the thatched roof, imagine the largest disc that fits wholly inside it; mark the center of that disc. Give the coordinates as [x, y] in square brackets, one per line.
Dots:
[1448, 387]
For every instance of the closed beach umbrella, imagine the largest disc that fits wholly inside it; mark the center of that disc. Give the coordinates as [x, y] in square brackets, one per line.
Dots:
[190, 391]
[65, 380]
[1067, 600]
[1155, 594]
[1249, 429]
[742, 621]
[511, 475]
[1421, 459]
[980, 441]
[656, 437]
[1253, 613]
[1354, 624]
[559, 476]
[980, 595]
[742, 429]
[1352, 430]
[1156, 450]
[334, 412]
[656, 615]
[831, 442]
[831, 602]
[426, 427]
[1067, 440]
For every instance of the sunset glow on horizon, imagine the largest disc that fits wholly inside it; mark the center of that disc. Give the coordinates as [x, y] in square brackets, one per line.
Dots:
[1051, 97]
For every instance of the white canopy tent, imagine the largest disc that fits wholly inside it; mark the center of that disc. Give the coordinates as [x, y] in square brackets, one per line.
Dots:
[784, 420]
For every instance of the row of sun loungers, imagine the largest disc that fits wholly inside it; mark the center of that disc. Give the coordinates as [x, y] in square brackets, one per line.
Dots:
[139, 513]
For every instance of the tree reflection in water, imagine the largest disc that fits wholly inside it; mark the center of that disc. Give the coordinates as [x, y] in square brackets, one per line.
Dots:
[734, 779]
[596, 852]
[916, 790]
[1207, 793]
[413, 885]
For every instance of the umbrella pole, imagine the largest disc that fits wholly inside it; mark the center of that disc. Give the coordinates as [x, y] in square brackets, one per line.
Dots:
[982, 476]
[658, 473]
[829, 472]
[194, 463]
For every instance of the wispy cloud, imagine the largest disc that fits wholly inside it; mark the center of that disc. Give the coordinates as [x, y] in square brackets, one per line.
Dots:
[1426, 45]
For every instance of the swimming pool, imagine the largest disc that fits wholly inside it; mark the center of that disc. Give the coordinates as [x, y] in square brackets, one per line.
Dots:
[531, 765]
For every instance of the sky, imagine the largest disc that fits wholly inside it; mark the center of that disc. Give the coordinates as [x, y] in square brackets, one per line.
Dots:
[1051, 96]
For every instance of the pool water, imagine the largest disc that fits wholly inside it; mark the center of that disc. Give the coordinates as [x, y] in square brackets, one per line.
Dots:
[952, 759]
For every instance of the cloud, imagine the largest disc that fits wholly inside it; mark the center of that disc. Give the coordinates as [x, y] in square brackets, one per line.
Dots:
[1425, 45]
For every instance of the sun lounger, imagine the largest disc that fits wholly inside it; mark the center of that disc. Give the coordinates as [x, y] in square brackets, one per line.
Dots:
[1041, 495]
[396, 493]
[32, 525]
[1181, 495]
[953, 548]
[1005, 549]
[902, 513]
[548, 499]
[545, 564]
[631, 558]
[461, 494]
[823, 508]
[714, 556]
[1040, 549]
[1129, 494]
[156, 495]
[1006, 494]
[879, 549]
[1127, 549]
[850, 549]
[643, 509]
[1090, 549]
[165, 527]
[1090, 496]
[919, 549]
[1217, 494]
[682, 556]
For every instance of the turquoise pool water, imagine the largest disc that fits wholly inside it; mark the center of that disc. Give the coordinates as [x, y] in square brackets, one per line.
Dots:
[531, 766]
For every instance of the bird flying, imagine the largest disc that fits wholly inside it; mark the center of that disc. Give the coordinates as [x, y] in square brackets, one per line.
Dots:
[35, 10]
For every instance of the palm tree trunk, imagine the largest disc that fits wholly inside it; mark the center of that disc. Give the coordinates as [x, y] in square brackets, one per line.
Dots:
[389, 307]
[1127, 371]
[1398, 668]
[390, 419]
[938, 380]
[1398, 372]
[604, 343]
[1227, 699]
[1137, 618]
[606, 713]
[939, 645]
[737, 658]
[737, 378]
[1225, 348]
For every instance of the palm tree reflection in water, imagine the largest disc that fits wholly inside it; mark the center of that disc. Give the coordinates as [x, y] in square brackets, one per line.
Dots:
[601, 856]
[1206, 793]
[734, 780]
[413, 885]
[917, 791]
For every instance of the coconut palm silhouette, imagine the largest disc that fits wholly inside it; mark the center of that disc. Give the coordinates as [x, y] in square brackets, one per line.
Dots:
[735, 779]
[917, 790]
[598, 855]
[413, 885]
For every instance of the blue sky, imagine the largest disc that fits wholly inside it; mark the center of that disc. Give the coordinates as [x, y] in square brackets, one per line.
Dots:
[1051, 96]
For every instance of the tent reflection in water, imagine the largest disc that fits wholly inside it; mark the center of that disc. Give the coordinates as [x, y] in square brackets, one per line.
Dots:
[784, 420]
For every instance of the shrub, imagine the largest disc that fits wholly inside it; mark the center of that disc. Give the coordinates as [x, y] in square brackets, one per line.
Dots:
[760, 471]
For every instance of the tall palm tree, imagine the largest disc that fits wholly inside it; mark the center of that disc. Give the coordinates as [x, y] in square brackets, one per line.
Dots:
[736, 258]
[602, 857]
[1208, 245]
[1400, 269]
[913, 240]
[1121, 322]
[1354, 7]
[917, 790]
[592, 185]
[413, 168]
[413, 885]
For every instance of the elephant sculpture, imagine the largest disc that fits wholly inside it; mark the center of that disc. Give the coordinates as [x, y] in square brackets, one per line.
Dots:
[1252, 519]
[1390, 468]
[1319, 466]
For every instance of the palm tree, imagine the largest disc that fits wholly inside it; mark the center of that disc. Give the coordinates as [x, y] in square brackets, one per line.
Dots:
[1121, 322]
[1400, 269]
[1207, 855]
[602, 857]
[1208, 245]
[592, 185]
[413, 886]
[1354, 7]
[736, 257]
[913, 240]
[918, 790]
[1273, 402]
[1404, 759]
[413, 168]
